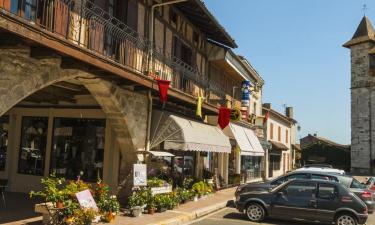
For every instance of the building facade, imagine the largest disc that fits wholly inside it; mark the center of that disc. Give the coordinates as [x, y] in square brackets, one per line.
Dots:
[279, 130]
[79, 89]
[362, 50]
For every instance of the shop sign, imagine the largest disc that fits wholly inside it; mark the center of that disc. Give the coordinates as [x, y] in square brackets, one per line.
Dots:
[161, 190]
[140, 174]
[86, 200]
[245, 101]
[235, 114]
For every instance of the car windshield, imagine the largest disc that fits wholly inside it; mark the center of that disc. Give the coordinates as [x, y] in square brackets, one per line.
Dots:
[356, 184]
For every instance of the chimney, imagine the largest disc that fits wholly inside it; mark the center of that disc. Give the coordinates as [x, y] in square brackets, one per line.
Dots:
[289, 112]
[267, 105]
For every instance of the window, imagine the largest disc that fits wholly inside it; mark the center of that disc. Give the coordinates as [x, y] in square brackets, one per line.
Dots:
[30, 10]
[300, 189]
[275, 162]
[271, 131]
[279, 134]
[290, 177]
[327, 191]
[356, 184]
[78, 148]
[173, 16]
[183, 165]
[33, 145]
[286, 136]
[4, 129]
[323, 177]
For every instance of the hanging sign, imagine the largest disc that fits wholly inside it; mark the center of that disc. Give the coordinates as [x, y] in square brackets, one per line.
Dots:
[235, 114]
[245, 101]
[140, 174]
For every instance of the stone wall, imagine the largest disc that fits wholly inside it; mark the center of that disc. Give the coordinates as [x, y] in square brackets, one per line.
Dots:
[362, 110]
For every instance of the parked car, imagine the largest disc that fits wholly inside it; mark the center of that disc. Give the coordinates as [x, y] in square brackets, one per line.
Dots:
[322, 169]
[354, 185]
[309, 200]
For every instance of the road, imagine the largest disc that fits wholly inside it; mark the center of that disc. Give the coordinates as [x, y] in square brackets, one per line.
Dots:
[230, 216]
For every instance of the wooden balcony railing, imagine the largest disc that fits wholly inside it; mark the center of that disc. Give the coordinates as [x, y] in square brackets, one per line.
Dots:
[84, 23]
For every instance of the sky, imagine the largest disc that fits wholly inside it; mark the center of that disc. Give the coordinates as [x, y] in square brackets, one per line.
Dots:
[296, 46]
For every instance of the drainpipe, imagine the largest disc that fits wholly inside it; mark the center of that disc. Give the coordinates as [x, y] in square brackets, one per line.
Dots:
[151, 31]
[149, 121]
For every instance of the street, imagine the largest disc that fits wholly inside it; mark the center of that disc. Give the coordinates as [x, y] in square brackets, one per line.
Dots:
[230, 216]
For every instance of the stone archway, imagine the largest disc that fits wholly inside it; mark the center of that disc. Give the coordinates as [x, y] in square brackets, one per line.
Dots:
[127, 113]
[22, 75]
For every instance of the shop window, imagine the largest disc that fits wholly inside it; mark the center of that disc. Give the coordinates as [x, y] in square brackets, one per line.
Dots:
[275, 162]
[33, 145]
[78, 148]
[183, 165]
[4, 128]
[251, 167]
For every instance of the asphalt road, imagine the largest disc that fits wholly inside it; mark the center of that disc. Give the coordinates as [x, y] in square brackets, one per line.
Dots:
[230, 216]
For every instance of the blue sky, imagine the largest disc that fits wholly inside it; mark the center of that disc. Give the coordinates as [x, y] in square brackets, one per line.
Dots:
[296, 46]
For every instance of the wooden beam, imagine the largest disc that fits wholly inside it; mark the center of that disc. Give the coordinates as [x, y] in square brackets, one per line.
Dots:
[69, 86]
[43, 53]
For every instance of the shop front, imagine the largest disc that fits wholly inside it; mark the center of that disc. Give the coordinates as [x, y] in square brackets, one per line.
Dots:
[70, 143]
[199, 150]
[278, 159]
[247, 153]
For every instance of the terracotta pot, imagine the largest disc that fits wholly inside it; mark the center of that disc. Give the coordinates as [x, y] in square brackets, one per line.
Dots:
[110, 217]
[151, 211]
[59, 205]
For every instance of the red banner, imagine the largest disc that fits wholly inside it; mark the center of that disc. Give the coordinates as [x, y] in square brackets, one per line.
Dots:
[224, 117]
[163, 89]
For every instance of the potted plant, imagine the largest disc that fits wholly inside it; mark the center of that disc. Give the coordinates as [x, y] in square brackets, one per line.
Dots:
[109, 207]
[135, 203]
[53, 191]
[84, 216]
[160, 202]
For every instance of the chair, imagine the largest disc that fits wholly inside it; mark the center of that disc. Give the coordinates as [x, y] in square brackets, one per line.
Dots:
[3, 185]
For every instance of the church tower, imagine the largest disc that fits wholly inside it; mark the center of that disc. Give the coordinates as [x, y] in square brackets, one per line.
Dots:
[362, 89]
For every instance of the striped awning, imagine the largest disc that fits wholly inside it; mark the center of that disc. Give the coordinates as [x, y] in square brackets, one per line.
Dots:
[179, 133]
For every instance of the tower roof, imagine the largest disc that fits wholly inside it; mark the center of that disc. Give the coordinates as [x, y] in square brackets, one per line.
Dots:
[365, 32]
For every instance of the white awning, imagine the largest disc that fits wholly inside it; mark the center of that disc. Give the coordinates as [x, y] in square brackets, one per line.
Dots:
[179, 133]
[246, 139]
[161, 154]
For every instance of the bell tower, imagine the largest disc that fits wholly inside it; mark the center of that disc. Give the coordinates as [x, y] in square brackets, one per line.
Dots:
[362, 98]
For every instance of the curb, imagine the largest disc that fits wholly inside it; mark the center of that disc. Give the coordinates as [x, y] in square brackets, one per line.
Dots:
[179, 220]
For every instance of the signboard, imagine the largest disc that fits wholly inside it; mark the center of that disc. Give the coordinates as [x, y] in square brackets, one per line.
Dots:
[235, 114]
[245, 100]
[86, 200]
[140, 174]
[161, 190]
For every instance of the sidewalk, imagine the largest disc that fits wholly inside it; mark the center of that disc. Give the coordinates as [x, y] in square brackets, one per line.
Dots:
[184, 213]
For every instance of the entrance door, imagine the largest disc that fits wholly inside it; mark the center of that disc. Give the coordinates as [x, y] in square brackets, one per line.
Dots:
[296, 199]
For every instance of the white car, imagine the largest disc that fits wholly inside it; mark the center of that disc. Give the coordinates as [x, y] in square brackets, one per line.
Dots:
[322, 169]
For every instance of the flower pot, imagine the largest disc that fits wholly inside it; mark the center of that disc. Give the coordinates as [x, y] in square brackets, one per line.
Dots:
[110, 217]
[195, 198]
[136, 211]
[59, 205]
[151, 211]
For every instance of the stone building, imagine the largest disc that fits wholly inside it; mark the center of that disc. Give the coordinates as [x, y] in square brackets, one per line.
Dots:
[79, 91]
[362, 88]
[281, 133]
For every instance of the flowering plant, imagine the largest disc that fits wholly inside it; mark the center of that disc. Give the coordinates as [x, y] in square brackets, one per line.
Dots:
[53, 189]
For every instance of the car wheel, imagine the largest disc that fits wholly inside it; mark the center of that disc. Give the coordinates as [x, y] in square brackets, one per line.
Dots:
[346, 219]
[255, 212]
